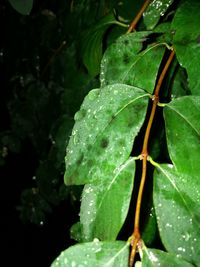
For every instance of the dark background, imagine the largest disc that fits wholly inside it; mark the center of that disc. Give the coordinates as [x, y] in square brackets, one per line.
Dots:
[43, 83]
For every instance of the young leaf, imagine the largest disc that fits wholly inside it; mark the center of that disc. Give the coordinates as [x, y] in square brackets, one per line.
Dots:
[155, 10]
[22, 6]
[187, 40]
[124, 63]
[176, 188]
[94, 254]
[104, 206]
[158, 258]
[103, 134]
[91, 46]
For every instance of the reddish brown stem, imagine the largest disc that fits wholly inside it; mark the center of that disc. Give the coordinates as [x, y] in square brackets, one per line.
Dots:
[144, 155]
[138, 16]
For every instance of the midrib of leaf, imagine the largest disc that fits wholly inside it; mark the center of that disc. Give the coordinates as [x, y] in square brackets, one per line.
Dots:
[123, 166]
[183, 117]
[116, 255]
[132, 101]
[181, 196]
[139, 57]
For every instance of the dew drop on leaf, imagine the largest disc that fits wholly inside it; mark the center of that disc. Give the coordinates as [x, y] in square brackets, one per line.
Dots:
[80, 114]
[93, 94]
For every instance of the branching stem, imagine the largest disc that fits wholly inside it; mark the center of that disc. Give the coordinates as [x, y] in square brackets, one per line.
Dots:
[144, 156]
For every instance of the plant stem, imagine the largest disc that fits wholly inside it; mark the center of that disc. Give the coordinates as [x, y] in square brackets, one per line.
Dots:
[137, 18]
[144, 155]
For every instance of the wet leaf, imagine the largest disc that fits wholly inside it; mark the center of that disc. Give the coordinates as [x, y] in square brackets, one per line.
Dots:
[124, 63]
[154, 11]
[22, 6]
[183, 127]
[94, 254]
[176, 188]
[177, 199]
[102, 137]
[104, 206]
[155, 258]
[187, 41]
[149, 232]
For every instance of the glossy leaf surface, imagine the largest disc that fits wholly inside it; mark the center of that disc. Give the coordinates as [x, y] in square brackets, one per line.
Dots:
[102, 137]
[187, 41]
[158, 258]
[155, 10]
[124, 63]
[22, 6]
[94, 254]
[176, 188]
[104, 206]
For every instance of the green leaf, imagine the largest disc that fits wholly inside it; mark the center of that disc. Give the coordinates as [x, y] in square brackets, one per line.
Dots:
[155, 258]
[176, 188]
[187, 41]
[179, 84]
[91, 46]
[94, 254]
[22, 6]
[150, 228]
[76, 232]
[104, 207]
[163, 30]
[102, 137]
[177, 202]
[183, 127]
[154, 11]
[124, 63]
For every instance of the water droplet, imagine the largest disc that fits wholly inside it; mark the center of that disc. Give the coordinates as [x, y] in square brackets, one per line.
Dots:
[152, 257]
[93, 94]
[80, 114]
[181, 249]
[73, 264]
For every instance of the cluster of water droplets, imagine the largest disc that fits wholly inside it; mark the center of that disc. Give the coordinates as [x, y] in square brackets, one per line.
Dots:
[159, 6]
